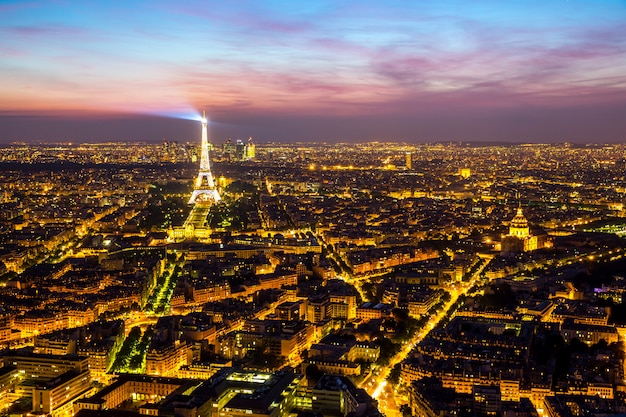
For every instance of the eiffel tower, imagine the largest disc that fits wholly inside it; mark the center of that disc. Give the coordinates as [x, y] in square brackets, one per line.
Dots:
[204, 192]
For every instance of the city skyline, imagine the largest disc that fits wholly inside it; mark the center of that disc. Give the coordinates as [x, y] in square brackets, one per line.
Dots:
[433, 71]
[320, 279]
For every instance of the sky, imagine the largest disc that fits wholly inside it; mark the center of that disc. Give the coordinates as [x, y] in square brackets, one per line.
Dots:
[354, 70]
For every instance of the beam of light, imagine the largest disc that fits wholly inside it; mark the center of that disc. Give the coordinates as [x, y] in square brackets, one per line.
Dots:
[186, 114]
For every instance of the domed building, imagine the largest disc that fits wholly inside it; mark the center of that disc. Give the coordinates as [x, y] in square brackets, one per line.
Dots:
[519, 225]
[520, 237]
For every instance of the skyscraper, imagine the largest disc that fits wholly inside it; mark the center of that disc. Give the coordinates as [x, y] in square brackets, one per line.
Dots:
[250, 150]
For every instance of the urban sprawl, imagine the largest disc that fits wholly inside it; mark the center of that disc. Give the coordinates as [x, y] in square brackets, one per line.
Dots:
[370, 279]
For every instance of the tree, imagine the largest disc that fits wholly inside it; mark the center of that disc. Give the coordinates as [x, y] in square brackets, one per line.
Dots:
[394, 375]
[406, 410]
[240, 187]
[369, 291]
[313, 374]
[387, 349]
[502, 297]
[400, 314]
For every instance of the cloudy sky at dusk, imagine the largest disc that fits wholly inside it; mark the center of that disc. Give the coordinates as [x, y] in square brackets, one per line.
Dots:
[416, 71]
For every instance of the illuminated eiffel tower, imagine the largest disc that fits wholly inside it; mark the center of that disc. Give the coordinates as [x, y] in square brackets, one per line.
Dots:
[204, 195]
[204, 192]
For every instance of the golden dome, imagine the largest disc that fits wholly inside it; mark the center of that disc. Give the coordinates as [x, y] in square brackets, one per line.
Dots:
[519, 221]
[519, 225]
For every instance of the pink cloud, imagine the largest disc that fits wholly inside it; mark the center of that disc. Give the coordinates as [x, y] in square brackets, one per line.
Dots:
[39, 31]
[8, 51]
[243, 20]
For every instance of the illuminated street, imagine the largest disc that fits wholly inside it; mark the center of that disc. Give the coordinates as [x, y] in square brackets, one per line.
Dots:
[386, 393]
